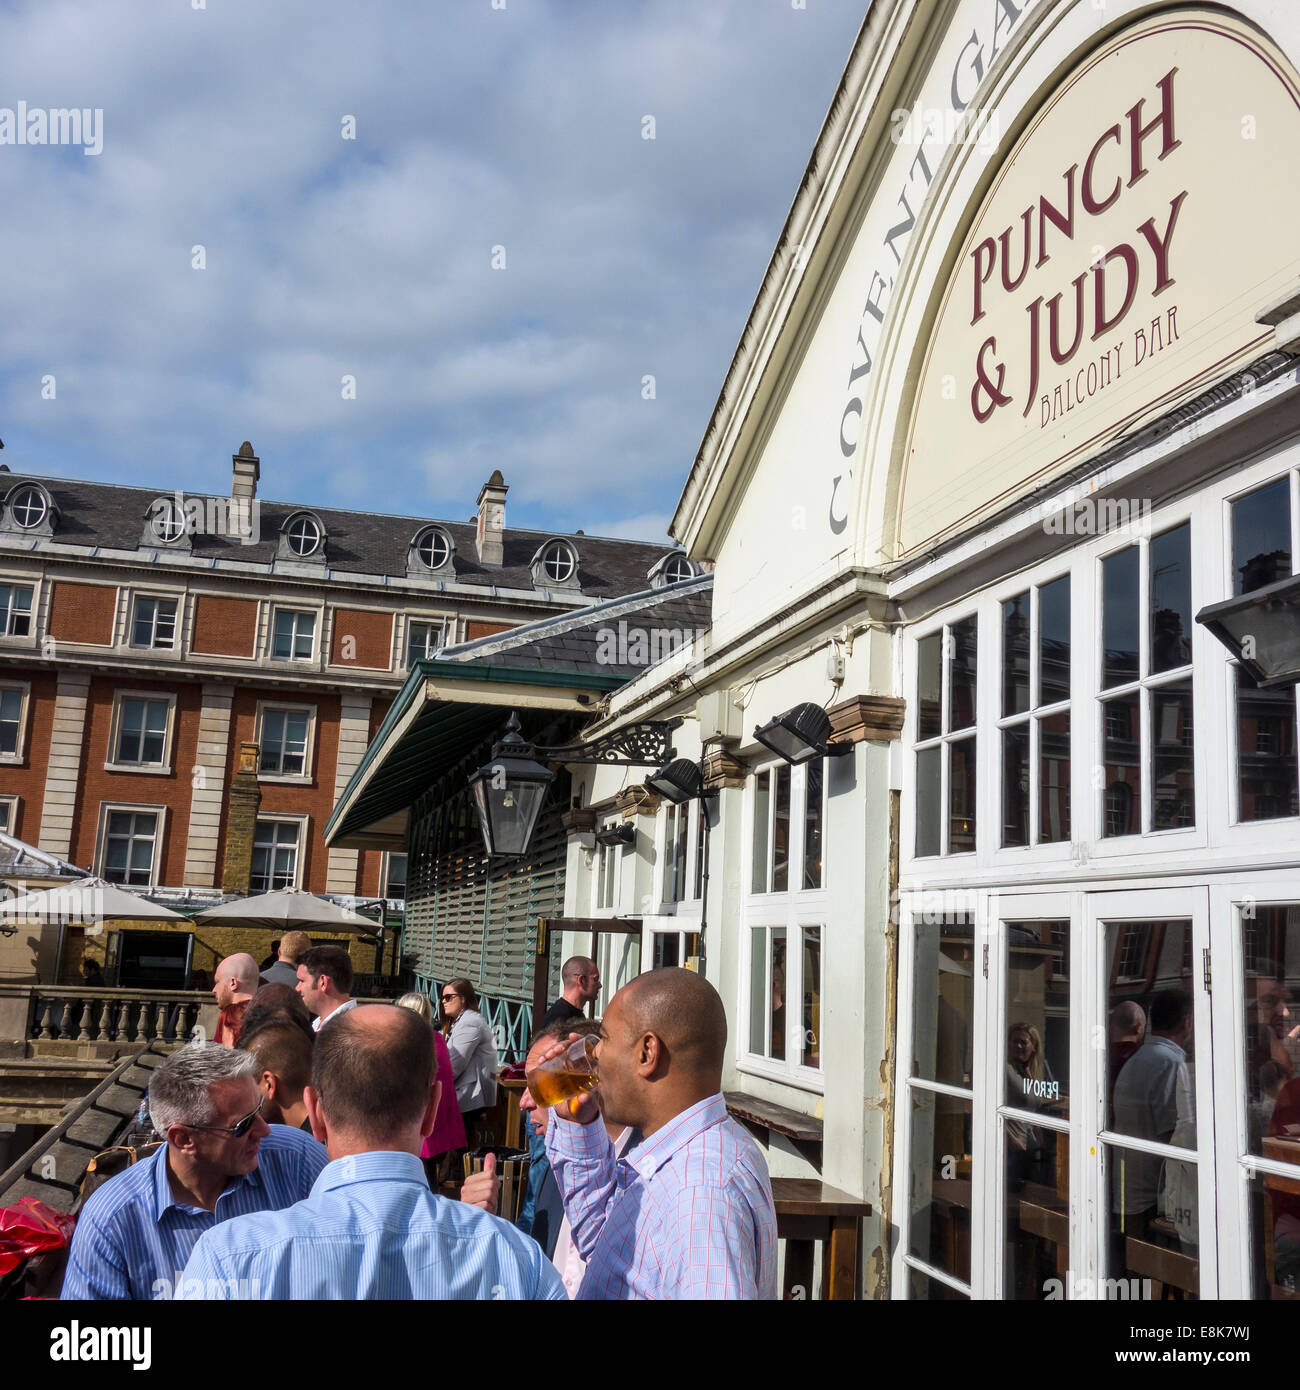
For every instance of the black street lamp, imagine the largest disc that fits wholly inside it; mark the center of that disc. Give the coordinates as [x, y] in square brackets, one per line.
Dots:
[509, 792]
[800, 734]
[1262, 630]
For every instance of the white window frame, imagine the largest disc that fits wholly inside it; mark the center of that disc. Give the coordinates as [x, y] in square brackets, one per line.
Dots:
[6, 615]
[157, 697]
[106, 808]
[607, 873]
[797, 909]
[156, 596]
[315, 614]
[301, 822]
[433, 623]
[10, 804]
[304, 778]
[946, 737]
[24, 689]
[384, 867]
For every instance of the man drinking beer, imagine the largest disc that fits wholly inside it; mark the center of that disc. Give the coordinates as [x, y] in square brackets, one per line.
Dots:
[688, 1214]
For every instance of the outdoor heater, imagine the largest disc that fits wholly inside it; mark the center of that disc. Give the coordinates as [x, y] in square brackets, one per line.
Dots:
[509, 792]
[1262, 630]
[800, 734]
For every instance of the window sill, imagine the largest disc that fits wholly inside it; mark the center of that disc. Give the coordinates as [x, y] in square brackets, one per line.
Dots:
[763, 1118]
[285, 779]
[146, 769]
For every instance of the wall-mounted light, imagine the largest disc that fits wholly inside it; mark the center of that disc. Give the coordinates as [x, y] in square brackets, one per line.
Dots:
[678, 781]
[509, 792]
[1262, 630]
[800, 734]
[612, 835]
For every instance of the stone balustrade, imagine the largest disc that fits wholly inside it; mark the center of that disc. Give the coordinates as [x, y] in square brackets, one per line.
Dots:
[36, 1015]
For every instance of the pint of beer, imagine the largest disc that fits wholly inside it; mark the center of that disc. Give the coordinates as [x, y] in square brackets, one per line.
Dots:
[566, 1075]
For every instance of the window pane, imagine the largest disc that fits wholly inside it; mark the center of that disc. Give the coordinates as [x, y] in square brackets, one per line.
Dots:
[1054, 777]
[943, 995]
[939, 1186]
[1119, 617]
[1121, 736]
[1171, 599]
[680, 829]
[1037, 1231]
[961, 794]
[812, 824]
[961, 691]
[812, 997]
[1173, 793]
[1261, 537]
[282, 643]
[1015, 655]
[1271, 956]
[922, 1287]
[1161, 1238]
[758, 996]
[1015, 785]
[1038, 1033]
[927, 800]
[777, 1042]
[701, 849]
[1054, 641]
[781, 832]
[666, 950]
[762, 797]
[929, 662]
[1266, 751]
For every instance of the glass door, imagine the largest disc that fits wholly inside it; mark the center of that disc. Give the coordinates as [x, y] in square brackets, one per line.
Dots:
[1031, 1063]
[1149, 1088]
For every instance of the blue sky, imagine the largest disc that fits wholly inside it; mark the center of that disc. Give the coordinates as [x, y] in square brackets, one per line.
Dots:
[372, 257]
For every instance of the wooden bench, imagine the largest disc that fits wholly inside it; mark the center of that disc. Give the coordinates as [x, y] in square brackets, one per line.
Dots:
[809, 1213]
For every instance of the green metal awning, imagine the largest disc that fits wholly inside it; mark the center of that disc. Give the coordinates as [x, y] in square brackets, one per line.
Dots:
[442, 713]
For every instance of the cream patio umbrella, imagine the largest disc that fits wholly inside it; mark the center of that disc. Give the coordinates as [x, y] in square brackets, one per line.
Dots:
[83, 902]
[284, 909]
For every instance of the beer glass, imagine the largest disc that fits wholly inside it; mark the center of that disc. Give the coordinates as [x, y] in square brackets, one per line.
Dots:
[566, 1075]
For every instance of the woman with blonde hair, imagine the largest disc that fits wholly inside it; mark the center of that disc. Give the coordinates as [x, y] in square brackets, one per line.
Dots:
[448, 1132]
[473, 1051]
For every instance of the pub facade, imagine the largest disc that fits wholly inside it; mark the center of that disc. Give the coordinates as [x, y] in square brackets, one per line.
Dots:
[1005, 902]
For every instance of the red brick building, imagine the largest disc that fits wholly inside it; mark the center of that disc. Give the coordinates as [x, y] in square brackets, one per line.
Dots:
[144, 638]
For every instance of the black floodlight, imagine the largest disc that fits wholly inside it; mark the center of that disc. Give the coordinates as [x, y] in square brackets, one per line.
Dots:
[509, 792]
[1262, 630]
[800, 734]
[613, 835]
[678, 781]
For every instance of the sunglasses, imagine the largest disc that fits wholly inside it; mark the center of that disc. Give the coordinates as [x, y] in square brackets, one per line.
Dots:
[445, 997]
[239, 1128]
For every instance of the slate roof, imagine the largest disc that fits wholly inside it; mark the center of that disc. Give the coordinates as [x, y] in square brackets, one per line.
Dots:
[113, 515]
[636, 630]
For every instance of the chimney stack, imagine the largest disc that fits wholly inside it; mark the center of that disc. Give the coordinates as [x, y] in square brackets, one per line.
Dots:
[491, 519]
[248, 469]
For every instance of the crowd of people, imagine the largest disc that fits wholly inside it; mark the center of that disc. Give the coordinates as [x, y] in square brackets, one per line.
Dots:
[306, 1152]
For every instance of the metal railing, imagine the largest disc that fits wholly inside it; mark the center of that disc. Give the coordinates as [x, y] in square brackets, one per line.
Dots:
[77, 1014]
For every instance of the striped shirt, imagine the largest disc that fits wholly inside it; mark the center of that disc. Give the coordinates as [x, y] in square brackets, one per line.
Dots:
[133, 1237]
[372, 1229]
[687, 1214]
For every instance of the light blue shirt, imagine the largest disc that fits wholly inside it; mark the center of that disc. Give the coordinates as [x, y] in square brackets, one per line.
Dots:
[133, 1237]
[372, 1229]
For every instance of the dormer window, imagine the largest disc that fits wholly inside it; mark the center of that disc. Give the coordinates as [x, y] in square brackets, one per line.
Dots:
[164, 524]
[302, 537]
[673, 568]
[29, 509]
[555, 566]
[431, 552]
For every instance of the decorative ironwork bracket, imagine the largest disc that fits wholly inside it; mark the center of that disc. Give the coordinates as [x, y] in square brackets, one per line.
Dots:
[648, 744]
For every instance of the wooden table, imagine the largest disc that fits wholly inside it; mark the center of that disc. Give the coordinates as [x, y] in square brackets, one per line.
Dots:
[808, 1212]
[513, 1119]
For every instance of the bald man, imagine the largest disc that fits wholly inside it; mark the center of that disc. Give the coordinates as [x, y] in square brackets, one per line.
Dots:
[235, 983]
[371, 1227]
[581, 981]
[689, 1213]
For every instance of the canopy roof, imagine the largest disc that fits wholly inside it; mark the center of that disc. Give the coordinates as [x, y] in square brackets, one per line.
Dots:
[285, 909]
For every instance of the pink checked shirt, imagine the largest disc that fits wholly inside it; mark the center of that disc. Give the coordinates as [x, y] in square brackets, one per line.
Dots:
[687, 1214]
